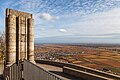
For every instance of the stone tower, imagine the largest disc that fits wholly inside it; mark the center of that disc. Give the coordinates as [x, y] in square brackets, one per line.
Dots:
[19, 36]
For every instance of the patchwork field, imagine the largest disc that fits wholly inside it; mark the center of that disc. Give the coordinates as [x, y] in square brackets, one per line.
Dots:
[101, 57]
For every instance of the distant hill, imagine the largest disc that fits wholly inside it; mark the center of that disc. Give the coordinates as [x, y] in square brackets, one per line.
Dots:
[75, 39]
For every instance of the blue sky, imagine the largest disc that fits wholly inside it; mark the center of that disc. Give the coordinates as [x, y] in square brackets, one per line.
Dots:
[81, 21]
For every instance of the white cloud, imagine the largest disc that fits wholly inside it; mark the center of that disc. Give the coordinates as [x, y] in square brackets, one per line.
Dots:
[48, 17]
[63, 30]
[57, 17]
[42, 29]
[100, 36]
[97, 23]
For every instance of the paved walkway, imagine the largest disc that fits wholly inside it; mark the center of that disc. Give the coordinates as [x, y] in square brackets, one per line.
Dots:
[58, 71]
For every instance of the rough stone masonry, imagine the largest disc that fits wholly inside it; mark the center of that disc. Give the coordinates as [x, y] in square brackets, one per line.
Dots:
[19, 36]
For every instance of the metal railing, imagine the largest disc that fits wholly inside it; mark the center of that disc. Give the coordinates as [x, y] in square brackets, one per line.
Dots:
[33, 72]
[28, 71]
[11, 72]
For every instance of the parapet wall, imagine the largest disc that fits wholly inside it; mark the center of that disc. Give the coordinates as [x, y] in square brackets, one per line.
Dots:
[84, 75]
[80, 68]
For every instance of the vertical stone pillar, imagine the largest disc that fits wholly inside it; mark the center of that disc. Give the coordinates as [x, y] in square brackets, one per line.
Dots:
[31, 40]
[26, 27]
[17, 39]
[10, 39]
[22, 38]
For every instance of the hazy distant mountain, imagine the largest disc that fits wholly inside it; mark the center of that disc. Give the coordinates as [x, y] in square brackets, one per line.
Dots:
[75, 39]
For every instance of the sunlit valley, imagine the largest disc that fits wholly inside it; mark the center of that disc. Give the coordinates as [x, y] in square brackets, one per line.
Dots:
[103, 57]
